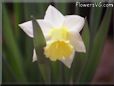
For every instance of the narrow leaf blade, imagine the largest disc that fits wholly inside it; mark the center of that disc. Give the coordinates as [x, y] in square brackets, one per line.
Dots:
[39, 44]
[97, 48]
[39, 41]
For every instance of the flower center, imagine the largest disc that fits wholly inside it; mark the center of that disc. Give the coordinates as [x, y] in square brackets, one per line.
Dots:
[58, 50]
[59, 47]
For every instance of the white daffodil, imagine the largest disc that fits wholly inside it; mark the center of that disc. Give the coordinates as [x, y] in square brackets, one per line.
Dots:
[61, 34]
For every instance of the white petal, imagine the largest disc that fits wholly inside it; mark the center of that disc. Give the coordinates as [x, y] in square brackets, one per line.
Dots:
[27, 28]
[68, 62]
[77, 42]
[45, 26]
[74, 22]
[34, 56]
[54, 16]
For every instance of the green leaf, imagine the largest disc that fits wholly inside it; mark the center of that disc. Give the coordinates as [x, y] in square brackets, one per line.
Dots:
[11, 49]
[39, 44]
[62, 7]
[57, 72]
[17, 18]
[95, 17]
[35, 9]
[39, 41]
[94, 56]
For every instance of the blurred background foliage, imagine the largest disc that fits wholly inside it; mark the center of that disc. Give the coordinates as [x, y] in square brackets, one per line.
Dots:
[18, 47]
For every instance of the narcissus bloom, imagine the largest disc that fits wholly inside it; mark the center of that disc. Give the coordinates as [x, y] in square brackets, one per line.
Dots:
[61, 34]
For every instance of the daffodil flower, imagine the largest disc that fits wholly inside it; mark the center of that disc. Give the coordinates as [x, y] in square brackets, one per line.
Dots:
[61, 33]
